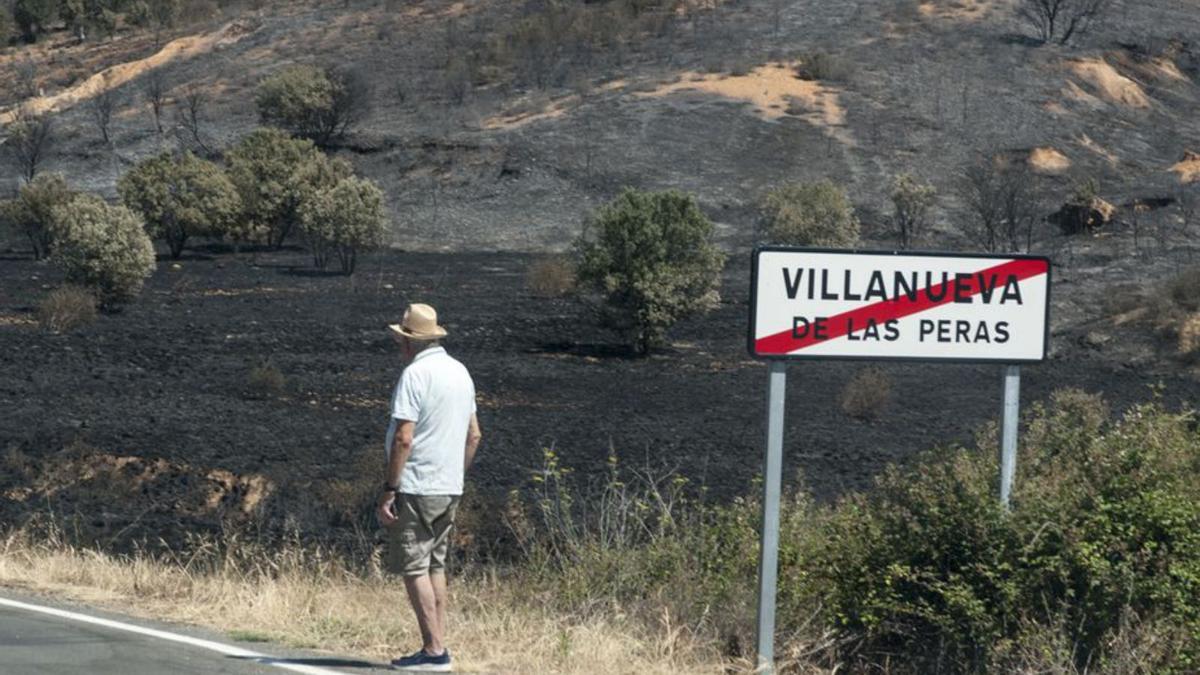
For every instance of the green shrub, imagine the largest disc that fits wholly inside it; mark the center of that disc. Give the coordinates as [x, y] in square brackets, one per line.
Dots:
[810, 214]
[102, 247]
[344, 220]
[912, 199]
[31, 213]
[66, 308]
[33, 17]
[651, 256]
[927, 568]
[313, 103]
[180, 197]
[274, 174]
[8, 27]
[824, 66]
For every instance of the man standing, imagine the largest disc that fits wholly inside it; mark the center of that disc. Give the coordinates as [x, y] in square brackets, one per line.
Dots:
[431, 442]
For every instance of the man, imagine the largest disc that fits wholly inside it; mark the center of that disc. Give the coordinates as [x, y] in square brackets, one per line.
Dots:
[431, 442]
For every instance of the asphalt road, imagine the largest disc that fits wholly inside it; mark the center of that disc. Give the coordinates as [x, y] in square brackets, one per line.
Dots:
[35, 643]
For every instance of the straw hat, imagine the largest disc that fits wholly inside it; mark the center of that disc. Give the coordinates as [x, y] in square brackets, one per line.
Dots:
[419, 323]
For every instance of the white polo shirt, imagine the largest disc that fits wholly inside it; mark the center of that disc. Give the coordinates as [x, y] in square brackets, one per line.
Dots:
[436, 393]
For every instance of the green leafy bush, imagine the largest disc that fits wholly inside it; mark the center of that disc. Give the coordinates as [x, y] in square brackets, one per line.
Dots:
[181, 197]
[344, 220]
[31, 213]
[810, 214]
[320, 104]
[651, 256]
[8, 27]
[912, 199]
[33, 17]
[274, 174]
[1105, 523]
[102, 247]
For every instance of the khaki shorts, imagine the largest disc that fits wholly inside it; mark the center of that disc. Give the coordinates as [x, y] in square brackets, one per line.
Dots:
[418, 542]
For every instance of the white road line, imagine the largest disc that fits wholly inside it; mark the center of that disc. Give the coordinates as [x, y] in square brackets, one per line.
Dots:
[218, 647]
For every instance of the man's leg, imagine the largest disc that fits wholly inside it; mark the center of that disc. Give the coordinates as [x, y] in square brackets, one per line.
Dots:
[437, 579]
[425, 605]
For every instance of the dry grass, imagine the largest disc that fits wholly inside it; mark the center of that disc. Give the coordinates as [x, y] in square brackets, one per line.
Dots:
[302, 599]
[866, 394]
[67, 308]
[551, 278]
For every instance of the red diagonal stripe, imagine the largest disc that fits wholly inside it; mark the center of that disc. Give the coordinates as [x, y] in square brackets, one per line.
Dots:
[897, 308]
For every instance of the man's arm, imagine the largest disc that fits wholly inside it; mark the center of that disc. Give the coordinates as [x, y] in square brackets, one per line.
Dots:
[397, 458]
[474, 435]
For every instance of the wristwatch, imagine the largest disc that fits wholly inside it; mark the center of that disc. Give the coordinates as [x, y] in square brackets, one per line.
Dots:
[391, 488]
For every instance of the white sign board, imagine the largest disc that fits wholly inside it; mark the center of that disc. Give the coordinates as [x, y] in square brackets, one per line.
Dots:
[813, 304]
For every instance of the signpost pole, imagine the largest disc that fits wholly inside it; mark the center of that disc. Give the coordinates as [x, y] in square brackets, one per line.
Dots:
[768, 559]
[1008, 438]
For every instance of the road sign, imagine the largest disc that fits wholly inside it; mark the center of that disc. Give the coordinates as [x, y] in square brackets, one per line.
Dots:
[827, 304]
[814, 304]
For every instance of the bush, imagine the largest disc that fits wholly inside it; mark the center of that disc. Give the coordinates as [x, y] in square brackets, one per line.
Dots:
[265, 381]
[34, 16]
[66, 308]
[1184, 290]
[344, 220]
[824, 66]
[313, 103]
[181, 197]
[813, 214]
[1105, 524]
[866, 394]
[8, 27]
[650, 255]
[102, 247]
[912, 200]
[550, 278]
[31, 213]
[274, 174]
[1061, 19]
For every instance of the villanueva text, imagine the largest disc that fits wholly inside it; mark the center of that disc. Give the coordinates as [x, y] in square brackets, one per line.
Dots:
[901, 288]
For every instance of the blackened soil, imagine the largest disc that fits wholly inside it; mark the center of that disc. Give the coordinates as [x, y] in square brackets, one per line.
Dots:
[166, 379]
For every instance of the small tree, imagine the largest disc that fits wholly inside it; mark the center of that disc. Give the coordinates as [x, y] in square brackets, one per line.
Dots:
[30, 138]
[101, 107]
[314, 103]
[1061, 19]
[32, 211]
[103, 247]
[180, 197]
[813, 214]
[912, 200]
[344, 220]
[157, 15]
[154, 90]
[275, 174]
[34, 16]
[651, 257]
[189, 116]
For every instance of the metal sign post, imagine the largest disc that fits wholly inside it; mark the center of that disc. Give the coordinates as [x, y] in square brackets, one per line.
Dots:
[1008, 434]
[768, 554]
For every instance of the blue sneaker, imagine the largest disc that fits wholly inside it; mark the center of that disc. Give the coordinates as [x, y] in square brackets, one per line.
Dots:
[421, 662]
